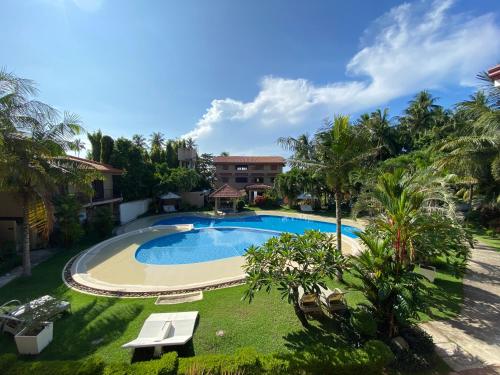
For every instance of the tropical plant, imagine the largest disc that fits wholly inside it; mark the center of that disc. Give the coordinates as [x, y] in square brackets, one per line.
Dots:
[290, 262]
[156, 142]
[292, 183]
[380, 133]
[101, 222]
[107, 144]
[302, 146]
[394, 292]
[95, 141]
[339, 149]
[139, 141]
[34, 139]
[78, 146]
[67, 210]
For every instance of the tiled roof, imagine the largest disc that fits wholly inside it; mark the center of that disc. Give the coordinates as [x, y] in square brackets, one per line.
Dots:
[249, 160]
[494, 73]
[101, 167]
[226, 191]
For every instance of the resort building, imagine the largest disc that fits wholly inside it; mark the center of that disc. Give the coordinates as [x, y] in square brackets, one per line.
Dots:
[254, 174]
[104, 193]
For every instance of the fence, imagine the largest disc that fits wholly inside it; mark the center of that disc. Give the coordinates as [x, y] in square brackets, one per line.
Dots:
[130, 210]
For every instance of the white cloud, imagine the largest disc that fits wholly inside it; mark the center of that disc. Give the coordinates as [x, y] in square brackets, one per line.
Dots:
[415, 46]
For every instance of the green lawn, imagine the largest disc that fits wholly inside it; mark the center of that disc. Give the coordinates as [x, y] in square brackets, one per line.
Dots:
[100, 325]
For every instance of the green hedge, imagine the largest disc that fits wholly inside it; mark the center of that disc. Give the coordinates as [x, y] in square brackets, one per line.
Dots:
[318, 359]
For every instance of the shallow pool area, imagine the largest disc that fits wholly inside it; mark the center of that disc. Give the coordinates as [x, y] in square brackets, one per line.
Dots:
[201, 245]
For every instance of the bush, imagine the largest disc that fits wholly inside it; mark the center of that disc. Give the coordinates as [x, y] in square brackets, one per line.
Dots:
[7, 361]
[166, 365]
[91, 366]
[101, 222]
[240, 205]
[69, 229]
[259, 201]
[319, 359]
[9, 258]
[421, 354]
[362, 322]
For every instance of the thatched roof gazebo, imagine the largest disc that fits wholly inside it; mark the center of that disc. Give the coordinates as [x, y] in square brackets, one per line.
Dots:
[226, 192]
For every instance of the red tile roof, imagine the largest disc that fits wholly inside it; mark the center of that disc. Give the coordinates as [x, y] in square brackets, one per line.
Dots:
[494, 73]
[101, 167]
[226, 191]
[249, 160]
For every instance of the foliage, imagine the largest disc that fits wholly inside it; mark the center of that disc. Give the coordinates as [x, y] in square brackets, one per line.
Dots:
[95, 141]
[240, 205]
[206, 169]
[101, 222]
[67, 210]
[292, 183]
[34, 139]
[9, 258]
[106, 149]
[290, 262]
[166, 365]
[394, 291]
[420, 355]
[176, 179]
[260, 201]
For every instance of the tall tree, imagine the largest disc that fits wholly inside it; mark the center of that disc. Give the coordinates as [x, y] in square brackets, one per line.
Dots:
[302, 146]
[95, 141]
[106, 148]
[156, 142]
[78, 146]
[34, 139]
[171, 156]
[139, 141]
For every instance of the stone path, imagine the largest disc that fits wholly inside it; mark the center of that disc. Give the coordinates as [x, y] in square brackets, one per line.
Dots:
[37, 257]
[470, 343]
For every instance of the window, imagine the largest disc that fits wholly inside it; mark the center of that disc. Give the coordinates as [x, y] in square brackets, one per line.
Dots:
[258, 180]
[242, 167]
[274, 167]
[241, 179]
[225, 179]
[225, 167]
[258, 167]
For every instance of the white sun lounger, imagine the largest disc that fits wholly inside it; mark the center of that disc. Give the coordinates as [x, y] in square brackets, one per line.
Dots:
[166, 329]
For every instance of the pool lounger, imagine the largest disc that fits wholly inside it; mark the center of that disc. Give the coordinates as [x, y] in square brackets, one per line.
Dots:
[309, 302]
[165, 329]
[333, 299]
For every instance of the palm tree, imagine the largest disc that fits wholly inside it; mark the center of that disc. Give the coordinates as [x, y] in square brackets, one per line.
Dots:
[156, 140]
[337, 151]
[78, 146]
[302, 146]
[33, 144]
[224, 153]
[139, 141]
[379, 132]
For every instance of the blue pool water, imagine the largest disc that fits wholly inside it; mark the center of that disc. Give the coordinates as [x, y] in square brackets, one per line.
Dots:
[200, 245]
[268, 222]
[213, 239]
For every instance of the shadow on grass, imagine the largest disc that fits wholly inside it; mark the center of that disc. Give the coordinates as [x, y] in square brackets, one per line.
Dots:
[89, 328]
[445, 299]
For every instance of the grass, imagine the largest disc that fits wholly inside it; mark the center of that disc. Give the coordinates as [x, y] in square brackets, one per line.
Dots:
[488, 238]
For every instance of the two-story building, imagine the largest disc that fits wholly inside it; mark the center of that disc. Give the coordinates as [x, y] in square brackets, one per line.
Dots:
[254, 174]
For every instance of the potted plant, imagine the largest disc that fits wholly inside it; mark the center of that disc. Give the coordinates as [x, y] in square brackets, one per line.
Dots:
[38, 331]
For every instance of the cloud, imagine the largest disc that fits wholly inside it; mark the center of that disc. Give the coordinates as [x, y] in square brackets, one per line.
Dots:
[412, 47]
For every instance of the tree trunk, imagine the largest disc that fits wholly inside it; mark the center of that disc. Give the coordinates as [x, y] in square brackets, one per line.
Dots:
[26, 237]
[338, 215]
[298, 311]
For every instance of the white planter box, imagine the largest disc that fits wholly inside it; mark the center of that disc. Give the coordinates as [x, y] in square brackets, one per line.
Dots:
[34, 344]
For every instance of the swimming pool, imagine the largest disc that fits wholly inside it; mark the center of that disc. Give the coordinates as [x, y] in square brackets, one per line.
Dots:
[214, 238]
[266, 222]
[201, 245]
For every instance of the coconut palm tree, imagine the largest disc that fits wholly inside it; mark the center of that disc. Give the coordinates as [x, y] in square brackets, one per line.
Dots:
[139, 141]
[78, 146]
[338, 149]
[379, 131]
[302, 146]
[34, 140]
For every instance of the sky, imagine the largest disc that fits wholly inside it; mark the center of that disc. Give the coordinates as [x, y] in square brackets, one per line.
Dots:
[236, 75]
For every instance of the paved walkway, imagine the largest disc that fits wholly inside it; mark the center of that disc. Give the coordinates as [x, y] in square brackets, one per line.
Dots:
[470, 343]
[37, 257]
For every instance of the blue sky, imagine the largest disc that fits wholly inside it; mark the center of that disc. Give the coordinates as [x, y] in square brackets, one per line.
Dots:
[238, 74]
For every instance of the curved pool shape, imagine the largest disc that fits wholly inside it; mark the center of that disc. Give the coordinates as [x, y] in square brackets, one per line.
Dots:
[266, 222]
[201, 245]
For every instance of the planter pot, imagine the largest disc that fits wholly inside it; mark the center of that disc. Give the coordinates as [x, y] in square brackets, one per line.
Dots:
[34, 344]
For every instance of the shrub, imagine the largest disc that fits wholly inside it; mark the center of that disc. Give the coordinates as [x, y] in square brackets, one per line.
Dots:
[240, 205]
[101, 222]
[259, 201]
[67, 210]
[420, 355]
[166, 365]
[9, 258]
[363, 323]
[91, 366]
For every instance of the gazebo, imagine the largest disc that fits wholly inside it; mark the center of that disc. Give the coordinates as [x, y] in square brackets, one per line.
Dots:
[227, 193]
[256, 189]
[169, 201]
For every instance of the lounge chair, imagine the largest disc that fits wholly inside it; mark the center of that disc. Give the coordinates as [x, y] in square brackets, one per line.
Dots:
[309, 302]
[165, 329]
[13, 313]
[333, 299]
[306, 208]
[169, 208]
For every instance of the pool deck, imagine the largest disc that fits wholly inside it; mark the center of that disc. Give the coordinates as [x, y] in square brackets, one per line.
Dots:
[110, 267]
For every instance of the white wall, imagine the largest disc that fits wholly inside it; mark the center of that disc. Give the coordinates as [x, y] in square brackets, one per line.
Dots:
[130, 210]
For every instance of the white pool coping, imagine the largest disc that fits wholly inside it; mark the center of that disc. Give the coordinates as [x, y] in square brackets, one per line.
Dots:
[110, 266]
